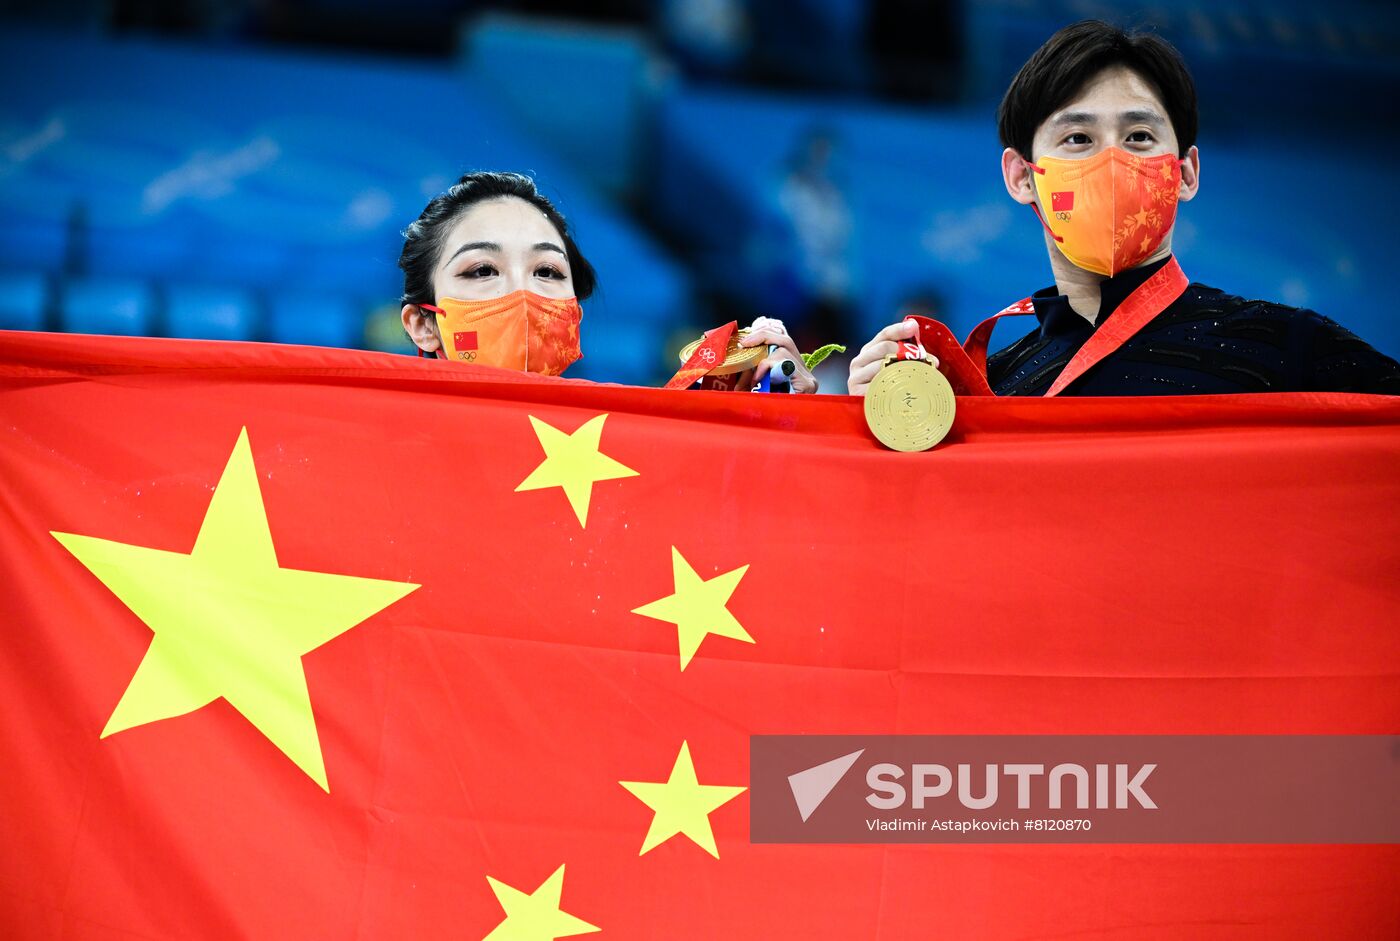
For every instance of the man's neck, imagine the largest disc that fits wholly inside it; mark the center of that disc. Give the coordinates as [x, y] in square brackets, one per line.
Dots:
[1084, 289]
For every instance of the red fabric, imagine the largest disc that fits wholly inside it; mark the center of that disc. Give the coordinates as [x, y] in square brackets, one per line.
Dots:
[709, 354]
[1174, 565]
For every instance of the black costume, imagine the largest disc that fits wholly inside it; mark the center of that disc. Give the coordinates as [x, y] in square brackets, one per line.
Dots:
[1207, 341]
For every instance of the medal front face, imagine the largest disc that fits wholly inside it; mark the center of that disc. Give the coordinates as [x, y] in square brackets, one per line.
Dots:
[909, 405]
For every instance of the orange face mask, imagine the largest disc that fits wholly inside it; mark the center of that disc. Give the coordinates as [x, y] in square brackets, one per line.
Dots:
[1111, 211]
[524, 331]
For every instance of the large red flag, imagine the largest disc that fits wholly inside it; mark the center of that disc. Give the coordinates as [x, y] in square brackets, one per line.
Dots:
[303, 643]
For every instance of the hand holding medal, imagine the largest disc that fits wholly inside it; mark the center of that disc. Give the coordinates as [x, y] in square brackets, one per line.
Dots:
[909, 404]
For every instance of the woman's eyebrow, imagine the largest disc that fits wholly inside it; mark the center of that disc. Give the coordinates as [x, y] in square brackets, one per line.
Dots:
[548, 247]
[471, 246]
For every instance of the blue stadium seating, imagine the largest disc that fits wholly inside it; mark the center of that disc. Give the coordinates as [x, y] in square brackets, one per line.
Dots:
[275, 172]
[315, 320]
[208, 312]
[24, 300]
[121, 306]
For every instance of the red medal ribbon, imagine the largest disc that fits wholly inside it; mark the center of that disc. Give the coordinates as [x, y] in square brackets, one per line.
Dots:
[966, 365]
[709, 354]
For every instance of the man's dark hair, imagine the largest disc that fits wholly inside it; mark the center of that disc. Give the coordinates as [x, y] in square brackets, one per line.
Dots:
[423, 240]
[1069, 59]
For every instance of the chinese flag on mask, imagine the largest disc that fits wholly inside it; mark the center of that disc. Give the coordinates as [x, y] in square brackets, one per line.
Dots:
[306, 643]
[1062, 202]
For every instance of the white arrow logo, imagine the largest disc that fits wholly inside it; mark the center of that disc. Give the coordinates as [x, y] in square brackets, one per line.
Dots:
[810, 787]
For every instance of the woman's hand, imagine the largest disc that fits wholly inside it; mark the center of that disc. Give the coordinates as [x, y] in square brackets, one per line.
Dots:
[770, 332]
[872, 356]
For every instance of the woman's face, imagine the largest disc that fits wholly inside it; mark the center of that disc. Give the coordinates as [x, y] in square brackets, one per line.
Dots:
[501, 246]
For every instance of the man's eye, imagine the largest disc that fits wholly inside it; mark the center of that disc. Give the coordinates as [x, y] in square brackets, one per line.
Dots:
[1140, 137]
[480, 271]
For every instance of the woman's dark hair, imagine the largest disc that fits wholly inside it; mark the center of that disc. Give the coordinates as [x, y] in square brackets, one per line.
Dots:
[1070, 58]
[423, 240]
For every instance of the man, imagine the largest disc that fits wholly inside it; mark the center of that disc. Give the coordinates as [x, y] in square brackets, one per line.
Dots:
[1099, 130]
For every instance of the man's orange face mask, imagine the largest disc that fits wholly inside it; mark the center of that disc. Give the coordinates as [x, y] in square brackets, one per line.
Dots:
[524, 331]
[1108, 212]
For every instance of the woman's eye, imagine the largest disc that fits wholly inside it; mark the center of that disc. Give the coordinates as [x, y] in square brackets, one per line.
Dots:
[1078, 138]
[549, 271]
[480, 271]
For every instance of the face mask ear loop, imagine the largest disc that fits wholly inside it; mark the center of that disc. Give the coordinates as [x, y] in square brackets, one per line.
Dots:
[1036, 206]
[436, 354]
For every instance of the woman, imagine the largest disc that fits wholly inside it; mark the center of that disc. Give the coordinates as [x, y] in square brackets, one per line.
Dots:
[492, 276]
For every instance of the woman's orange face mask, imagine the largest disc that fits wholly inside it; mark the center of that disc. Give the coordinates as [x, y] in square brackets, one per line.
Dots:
[1111, 211]
[523, 331]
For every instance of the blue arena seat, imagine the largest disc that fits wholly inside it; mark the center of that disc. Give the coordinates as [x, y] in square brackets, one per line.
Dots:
[119, 306]
[208, 312]
[315, 320]
[24, 300]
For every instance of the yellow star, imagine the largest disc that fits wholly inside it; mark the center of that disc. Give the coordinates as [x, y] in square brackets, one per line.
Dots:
[228, 620]
[682, 805]
[537, 916]
[573, 461]
[697, 607]
[1141, 217]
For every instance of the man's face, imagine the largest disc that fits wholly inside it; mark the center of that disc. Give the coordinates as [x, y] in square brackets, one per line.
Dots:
[1117, 108]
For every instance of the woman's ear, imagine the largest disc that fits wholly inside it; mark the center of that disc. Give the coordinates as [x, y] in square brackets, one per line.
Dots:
[422, 328]
[1190, 174]
[1016, 172]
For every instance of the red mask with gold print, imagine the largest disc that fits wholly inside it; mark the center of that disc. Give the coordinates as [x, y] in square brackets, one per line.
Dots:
[1111, 211]
[524, 331]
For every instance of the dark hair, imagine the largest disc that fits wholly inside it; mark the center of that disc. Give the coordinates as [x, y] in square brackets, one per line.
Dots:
[1070, 58]
[423, 240]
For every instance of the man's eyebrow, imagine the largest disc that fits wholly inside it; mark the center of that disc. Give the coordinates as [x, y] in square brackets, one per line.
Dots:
[471, 246]
[1143, 117]
[549, 247]
[1076, 117]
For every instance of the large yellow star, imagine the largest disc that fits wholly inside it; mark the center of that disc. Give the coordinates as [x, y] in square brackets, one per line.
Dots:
[537, 916]
[573, 461]
[682, 805]
[697, 607]
[228, 620]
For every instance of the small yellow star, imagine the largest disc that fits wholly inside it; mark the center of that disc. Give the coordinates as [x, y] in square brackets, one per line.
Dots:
[697, 607]
[228, 620]
[683, 805]
[573, 461]
[537, 916]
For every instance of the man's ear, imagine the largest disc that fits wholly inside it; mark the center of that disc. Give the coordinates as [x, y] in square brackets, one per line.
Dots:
[422, 328]
[1016, 173]
[1190, 175]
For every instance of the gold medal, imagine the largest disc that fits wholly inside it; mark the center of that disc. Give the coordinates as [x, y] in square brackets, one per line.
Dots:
[736, 358]
[909, 405]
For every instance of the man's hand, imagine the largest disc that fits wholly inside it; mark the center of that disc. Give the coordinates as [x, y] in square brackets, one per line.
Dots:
[771, 332]
[872, 356]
